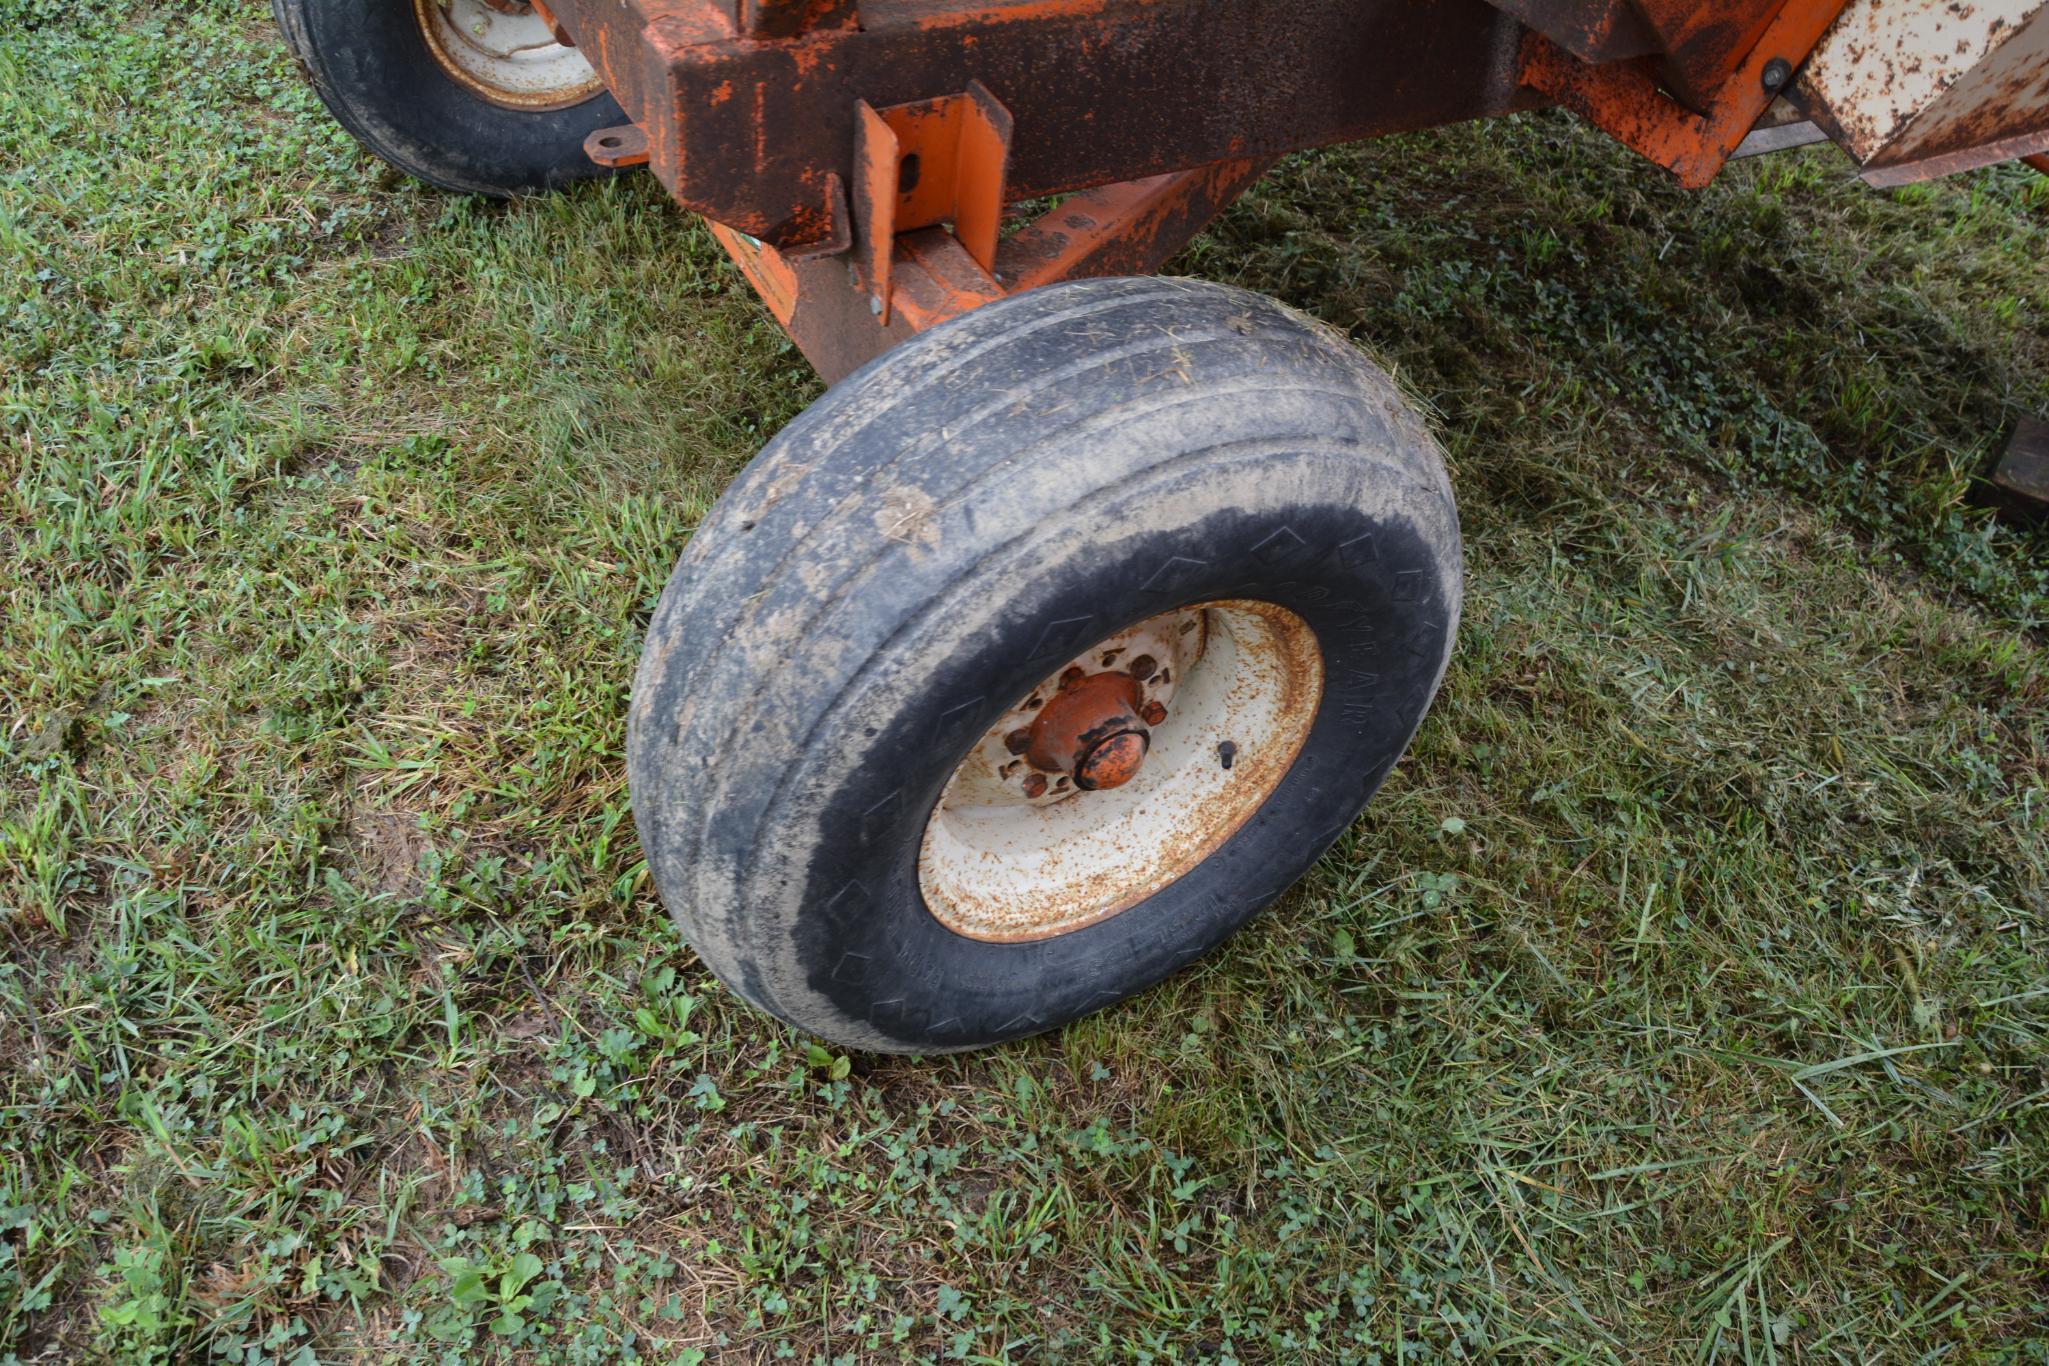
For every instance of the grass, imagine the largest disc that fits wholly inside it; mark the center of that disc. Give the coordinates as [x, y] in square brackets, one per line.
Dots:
[1684, 995]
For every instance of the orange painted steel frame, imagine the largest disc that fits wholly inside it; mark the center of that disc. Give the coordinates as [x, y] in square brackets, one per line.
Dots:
[1626, 100]
[834, 312]
[857, 157]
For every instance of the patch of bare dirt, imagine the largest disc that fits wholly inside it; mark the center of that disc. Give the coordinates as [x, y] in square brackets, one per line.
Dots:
[385, 847]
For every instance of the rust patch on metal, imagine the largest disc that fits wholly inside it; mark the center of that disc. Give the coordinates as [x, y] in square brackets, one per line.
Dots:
[1595, 31]
[788, 18]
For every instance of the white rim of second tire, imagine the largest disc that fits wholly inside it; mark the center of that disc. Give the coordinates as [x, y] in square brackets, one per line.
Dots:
[1016, 852]
[509, 58]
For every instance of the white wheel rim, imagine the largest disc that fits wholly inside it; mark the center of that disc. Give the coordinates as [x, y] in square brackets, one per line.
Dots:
[1004, 865]
[509, 59]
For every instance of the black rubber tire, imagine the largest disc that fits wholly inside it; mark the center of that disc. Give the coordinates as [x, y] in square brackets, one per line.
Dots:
[371, 66]
[931, 538]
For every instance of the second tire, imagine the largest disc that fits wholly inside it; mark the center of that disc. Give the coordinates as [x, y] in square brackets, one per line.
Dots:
[1038, 656]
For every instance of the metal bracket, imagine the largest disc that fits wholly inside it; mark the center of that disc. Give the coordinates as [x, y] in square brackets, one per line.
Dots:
[827, 308]
[622, 146]
[1624, 100]
[921, 165]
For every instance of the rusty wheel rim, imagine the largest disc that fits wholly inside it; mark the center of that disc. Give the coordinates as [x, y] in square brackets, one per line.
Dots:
[506, 53]
[1121, 772]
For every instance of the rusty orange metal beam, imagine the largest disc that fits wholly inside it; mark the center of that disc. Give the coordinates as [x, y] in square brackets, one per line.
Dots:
[744, 126]
[2040, 163]
[1626, 101]
[827, 309]
[1692, 46]
[1702, 44]
[1129, 229]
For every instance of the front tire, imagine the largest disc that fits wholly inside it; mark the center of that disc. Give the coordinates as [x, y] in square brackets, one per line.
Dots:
[457, 93]
[995, 512]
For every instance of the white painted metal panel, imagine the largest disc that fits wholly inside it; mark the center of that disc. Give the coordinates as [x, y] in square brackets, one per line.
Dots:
[1922, 88]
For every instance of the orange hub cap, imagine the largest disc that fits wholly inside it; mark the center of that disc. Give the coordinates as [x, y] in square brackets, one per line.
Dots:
[1091, 729]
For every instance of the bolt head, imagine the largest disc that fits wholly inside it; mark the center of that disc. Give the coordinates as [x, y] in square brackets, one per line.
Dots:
[1777, 72]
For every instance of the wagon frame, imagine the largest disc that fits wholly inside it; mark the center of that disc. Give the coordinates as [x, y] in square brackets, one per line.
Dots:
[1084, 611]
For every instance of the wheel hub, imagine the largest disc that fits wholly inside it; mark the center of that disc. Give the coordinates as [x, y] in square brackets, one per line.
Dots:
[1091, 731]
[1121, 772]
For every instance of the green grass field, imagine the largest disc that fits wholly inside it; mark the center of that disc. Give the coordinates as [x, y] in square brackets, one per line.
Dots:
[1684, 995]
